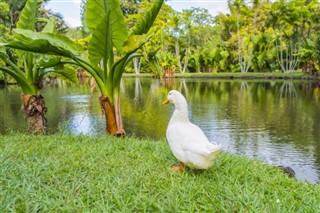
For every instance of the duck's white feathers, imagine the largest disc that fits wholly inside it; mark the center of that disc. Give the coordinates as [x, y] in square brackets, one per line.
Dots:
[189, 135]
[186, 140]
[190, 146]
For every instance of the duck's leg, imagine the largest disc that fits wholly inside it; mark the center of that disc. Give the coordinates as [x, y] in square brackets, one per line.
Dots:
[178, 167]
[181, 167]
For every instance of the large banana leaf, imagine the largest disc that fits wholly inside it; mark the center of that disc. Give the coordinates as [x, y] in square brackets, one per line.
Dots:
[15, 72]
[56, 67]
[50, 26]
[134, 43]
[62, 72]
[96, 11]
[100, 45]
[45, 63]
[147, 21]
[46, 43]
[27, 21]
[28, 16]
[136, 40]
[67, 74]
[119, 67]
[21, 80]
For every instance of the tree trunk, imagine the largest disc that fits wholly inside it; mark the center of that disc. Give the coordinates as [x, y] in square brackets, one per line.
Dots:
[245, 58]
[177, 46]
[186, 60]
[34, 109]
[121, 132]
[288, 59]
[186, 57]
[111, 122]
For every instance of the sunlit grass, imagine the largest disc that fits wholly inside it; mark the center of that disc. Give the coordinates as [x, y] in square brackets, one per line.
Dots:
[61, 173]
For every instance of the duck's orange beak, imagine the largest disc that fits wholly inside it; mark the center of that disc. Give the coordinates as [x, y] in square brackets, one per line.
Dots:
[165, 101]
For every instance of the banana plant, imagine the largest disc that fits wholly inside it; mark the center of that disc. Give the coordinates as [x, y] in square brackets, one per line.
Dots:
[30, 69]
[111, 47]
[152, 61]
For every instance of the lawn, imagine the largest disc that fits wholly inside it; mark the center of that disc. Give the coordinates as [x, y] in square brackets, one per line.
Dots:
[61, 173]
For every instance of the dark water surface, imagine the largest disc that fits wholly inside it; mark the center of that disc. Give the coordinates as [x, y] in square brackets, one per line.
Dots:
[277, 122]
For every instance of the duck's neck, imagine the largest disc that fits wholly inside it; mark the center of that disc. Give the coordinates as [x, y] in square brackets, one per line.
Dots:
[180, 113]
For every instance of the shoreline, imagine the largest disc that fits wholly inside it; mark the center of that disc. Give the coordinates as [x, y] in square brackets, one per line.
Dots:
[220, 76]
[234, 76]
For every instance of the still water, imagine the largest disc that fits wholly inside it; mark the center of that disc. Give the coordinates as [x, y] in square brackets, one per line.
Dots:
[277, 122]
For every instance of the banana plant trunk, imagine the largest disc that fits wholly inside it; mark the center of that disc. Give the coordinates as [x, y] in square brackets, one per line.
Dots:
[34, 110]
[112, 113]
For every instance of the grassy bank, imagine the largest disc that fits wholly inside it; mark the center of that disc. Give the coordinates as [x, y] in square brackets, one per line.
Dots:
[62, 173]
[249, 75]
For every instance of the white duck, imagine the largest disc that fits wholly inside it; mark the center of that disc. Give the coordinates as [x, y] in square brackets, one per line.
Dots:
[186, 140]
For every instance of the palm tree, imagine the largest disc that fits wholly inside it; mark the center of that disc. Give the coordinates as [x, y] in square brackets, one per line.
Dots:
[30, 70]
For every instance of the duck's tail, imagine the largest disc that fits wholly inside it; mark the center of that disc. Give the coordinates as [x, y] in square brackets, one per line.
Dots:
[215, 151]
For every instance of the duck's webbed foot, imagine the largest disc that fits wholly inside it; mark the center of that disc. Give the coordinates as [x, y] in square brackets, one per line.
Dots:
[179, 167]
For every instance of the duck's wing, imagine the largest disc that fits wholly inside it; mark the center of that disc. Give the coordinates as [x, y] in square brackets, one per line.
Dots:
[190, 137]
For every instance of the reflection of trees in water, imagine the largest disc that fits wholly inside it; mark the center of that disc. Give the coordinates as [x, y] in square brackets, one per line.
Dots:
[244, 92]
[287, 91]
[316, 136]
[53, 82]
[169, 83]
[154, 87]
[10, 104]
[122, 86]
[314, 91]
[183, 87]
[142, 110]
[248, 133]
[244, 86]
[137, 90]
[83, 79]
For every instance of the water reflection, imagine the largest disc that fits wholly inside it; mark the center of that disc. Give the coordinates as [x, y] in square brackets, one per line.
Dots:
[275, 121]
[288, 91]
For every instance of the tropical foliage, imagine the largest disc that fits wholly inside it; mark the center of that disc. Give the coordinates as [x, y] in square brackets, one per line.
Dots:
[110, 49]
[29, 69]
[260, 36]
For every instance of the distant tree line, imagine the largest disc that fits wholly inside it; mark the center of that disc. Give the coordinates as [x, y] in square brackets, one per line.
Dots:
[256, 36]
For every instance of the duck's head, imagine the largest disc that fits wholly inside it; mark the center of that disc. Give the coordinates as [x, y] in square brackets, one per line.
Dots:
[177, 99]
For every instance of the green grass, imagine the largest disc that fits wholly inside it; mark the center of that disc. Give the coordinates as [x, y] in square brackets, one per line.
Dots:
[61, 173]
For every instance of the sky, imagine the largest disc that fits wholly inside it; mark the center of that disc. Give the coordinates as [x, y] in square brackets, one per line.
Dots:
[70, 9]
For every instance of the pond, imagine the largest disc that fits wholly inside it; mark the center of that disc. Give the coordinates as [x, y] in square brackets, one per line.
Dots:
[277, 122]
